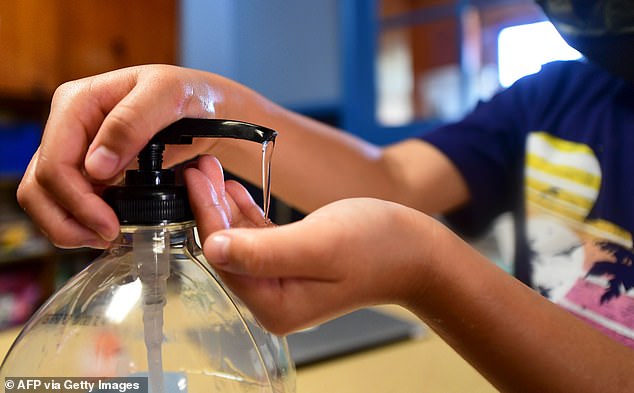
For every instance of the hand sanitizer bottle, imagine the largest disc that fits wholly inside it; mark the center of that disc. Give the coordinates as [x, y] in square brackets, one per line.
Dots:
[150, 307]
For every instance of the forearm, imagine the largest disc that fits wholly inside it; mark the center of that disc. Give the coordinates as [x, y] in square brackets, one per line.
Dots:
[360, 252]
[315, 164]
[519, 340]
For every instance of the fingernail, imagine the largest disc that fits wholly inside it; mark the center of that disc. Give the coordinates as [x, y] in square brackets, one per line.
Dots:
[95, 243]
[219, 248]
[102, 162]
[107, 230]
[108, 234]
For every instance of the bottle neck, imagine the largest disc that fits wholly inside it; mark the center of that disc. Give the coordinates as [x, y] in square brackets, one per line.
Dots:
[172, 235]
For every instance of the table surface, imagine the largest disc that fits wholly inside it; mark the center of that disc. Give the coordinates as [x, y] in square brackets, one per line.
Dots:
[423, 364]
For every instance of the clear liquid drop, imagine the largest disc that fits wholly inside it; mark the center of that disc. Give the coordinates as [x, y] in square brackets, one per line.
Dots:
[267, 155]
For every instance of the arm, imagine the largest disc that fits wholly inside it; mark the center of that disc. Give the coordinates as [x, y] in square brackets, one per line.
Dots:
[97, 125]
[516, 338]
[360, 252]
[315, 164]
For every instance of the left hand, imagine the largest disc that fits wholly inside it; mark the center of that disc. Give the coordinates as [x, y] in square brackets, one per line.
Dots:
[346, 255]
[218, 204]
[359, 252]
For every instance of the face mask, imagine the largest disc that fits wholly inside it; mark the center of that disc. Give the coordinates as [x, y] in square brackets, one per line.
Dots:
[603, 31]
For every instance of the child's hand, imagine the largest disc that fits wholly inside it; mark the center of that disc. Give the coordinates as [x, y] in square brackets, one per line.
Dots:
[218, 204]
[96, 127]
[346, 255]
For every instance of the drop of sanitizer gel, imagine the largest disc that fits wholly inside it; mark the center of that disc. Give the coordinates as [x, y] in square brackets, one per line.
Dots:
[149, 314]
[267, 155]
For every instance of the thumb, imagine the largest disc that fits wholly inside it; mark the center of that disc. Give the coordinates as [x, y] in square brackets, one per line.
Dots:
[290, 251]
[156, 97]
[279, 272]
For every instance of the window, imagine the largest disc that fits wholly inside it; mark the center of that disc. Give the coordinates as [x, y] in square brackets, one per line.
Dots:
[523, 49]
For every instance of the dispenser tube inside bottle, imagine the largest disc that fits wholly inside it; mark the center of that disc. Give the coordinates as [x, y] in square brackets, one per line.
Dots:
[151, 253]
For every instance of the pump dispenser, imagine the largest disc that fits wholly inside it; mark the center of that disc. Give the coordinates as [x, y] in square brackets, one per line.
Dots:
[150, 307]
[150, 195]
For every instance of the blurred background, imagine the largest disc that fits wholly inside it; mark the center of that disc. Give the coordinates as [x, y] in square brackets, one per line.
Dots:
[381, 69]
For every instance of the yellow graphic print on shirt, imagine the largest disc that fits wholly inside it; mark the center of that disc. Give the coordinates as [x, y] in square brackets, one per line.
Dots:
[571, 255]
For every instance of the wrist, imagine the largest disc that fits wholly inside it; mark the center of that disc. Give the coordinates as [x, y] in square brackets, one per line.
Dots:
[413, 260]
[435, 250]
[239, 102]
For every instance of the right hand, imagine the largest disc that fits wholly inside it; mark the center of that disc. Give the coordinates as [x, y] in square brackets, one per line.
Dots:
[95, 129]
[346, 255]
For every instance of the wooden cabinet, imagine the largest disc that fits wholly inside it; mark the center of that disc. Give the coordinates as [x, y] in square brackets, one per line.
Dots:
[45, 43]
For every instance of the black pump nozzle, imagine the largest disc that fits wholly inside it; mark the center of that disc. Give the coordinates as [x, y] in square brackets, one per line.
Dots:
[184, 130]
[150, 194]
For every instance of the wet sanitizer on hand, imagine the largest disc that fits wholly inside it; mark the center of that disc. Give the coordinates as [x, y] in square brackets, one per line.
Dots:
[150, 306]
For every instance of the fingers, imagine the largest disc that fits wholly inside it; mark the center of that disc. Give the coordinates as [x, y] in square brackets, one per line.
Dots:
[95, 129]
[284, 306]
[125, 131]
[309, 248]
[251, 213]
[348, 254]
[56, 223]
[213, 199]
[160, 96]
[210, 213]
[297, 250]
[211, 168]
[70, 190]
[55, 173]
[289, 276]
[54, 189]
[55, 219]
[287, 279]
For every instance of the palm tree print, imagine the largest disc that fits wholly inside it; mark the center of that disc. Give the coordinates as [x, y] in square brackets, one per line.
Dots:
[621, 269]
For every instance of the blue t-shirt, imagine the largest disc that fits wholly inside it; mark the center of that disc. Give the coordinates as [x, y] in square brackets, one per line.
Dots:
[557, 149]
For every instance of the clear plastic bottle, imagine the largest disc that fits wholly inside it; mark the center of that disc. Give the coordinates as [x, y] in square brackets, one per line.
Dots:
[151, 306]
